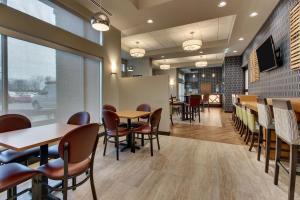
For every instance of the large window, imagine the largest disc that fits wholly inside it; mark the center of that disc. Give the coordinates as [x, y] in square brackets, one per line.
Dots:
[46, 84]
[57, 16]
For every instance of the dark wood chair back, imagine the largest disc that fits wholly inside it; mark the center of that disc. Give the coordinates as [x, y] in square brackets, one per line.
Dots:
[80, 118]
[145, 108]
[195, 100]
[81, 143]
[13, 122]
[206, 97]
[155, 119]
[109, 107]
[111, 120]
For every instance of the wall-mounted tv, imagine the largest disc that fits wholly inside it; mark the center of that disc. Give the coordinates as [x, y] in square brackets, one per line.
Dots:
[266, 56]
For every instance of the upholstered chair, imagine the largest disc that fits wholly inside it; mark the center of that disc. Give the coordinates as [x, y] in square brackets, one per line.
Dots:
[245, 122]
[266, 122]
[142, 120]
[287, 130]
[253, 128]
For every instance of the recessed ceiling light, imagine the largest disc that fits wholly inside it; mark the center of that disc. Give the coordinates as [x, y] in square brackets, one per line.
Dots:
[201, 52]
[235, 51]
[241, 39]
[162, 56]
[253, 14]
[150, 21]
[222, 4]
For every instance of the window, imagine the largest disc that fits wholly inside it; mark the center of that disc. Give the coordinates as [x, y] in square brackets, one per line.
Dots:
[1, 64]
[46, 84]
[57, 16]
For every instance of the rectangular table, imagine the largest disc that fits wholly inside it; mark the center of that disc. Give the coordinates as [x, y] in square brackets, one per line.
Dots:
[39, 136]
[130, 115]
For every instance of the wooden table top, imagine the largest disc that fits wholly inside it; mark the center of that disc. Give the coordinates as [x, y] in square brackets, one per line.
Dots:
[24, 139]
[132, 114]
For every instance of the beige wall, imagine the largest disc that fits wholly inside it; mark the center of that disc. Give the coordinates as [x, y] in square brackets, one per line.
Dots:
[172, 73]
[19, 25]
[153, 90]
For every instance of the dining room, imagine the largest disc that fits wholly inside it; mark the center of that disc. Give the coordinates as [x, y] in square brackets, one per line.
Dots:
[149, 99]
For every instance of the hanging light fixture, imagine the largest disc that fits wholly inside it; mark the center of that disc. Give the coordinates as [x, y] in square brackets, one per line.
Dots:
[192, 45]
[201, 64]
[165, 66]
[100, 20]
[137, 52]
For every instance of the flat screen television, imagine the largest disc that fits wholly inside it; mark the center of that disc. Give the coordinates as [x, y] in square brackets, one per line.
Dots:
[266, 56]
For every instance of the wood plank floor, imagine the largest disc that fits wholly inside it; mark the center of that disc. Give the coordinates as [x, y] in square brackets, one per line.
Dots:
[184, 169]
[215, 126]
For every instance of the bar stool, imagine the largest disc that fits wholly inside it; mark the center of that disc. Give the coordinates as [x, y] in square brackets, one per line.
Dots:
[286, 128]
[234, 101]
[239, 119]
[253, 128]
[244, 123]
[265, 122]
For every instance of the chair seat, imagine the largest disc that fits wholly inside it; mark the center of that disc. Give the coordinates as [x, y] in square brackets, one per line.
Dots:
[139, 124]
[146, 129]
[8, 156]
[53, 151]
[13, 174]
[121, 132]
[54, 169]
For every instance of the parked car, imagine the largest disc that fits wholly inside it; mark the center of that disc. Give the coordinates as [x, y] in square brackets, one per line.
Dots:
[46, 99]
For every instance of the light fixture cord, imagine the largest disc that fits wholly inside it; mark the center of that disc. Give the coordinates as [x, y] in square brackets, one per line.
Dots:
[99, 5]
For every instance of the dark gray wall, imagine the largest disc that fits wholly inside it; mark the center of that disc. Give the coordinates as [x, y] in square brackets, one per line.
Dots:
[281, 82]
[234, 82]
[215, 81]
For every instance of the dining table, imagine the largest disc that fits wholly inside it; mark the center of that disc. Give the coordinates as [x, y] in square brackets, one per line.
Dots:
[39, 136]
[130, 115]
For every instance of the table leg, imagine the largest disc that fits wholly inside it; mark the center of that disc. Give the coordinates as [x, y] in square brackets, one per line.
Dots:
[129, 139]
[182, 112]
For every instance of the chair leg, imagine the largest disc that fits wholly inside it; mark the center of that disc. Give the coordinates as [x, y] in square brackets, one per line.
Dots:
[199, 114]
[105, 145]
[158, 145]
[292, 171]
[65, 189]
[171, 118]
[142, 140]
[260, 134]
[74, 183]
[117, 147]
[11, 193]
[268, 144]
[277, 159]
[93, 184]
[151, 144]
[133, 142]
[252, 141]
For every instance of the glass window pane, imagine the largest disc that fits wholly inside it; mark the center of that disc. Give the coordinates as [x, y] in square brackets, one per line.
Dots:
[57, 16]
[43, 83]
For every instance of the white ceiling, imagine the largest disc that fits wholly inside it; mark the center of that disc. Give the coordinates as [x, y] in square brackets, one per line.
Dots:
[219, 28]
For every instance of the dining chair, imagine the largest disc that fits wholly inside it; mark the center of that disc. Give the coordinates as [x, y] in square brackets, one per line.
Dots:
[151, 129]
[142, 120]
[205, 100]
[80, 118]
[287, 130]
[194, 106]
[13, 174]
[13, 122]
[77, 153]
[111, 123]
[175, 108]
[113, 109]
[234, 101]
[253, 128]
[239, 119]
[266, 122]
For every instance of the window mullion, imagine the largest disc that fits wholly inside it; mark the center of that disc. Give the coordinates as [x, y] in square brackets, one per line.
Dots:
[5, 95]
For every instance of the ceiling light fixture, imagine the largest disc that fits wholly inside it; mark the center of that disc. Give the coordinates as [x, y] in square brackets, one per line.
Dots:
[137, 52]
[201, 64]
[222, 4]
[192, 45]
[203, 75]
[241, 39]
[165, 66]
[150, 21]
[100, 20]
[253, 14]
[201, 52]
[213, 75]
[235, 51]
